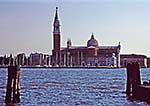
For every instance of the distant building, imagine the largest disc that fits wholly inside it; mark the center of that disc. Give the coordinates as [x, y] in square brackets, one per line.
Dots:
[21, 59]
[5, 61]
[129, 58]
[90, 55]
[28, 61]
[148, 62]
[46, 60]
[1, 61]
[36, 59]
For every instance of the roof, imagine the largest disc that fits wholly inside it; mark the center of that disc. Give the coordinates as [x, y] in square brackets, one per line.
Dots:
[92, 42]
[85, 47]
[132, 56]
[108, 47]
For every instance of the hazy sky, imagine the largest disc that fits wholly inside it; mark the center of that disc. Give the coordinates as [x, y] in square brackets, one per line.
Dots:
[26, 25]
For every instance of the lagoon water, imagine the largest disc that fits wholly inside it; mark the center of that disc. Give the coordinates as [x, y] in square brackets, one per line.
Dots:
[72, 87]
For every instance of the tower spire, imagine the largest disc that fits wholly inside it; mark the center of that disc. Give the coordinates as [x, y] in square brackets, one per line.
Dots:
[56, 23]
[56, 14]
[92, 36]
[56, 39]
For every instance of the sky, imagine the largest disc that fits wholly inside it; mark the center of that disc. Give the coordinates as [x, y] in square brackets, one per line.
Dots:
[26, 25]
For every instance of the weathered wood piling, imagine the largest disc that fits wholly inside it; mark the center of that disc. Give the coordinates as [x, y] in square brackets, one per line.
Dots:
[13, 85]
[134, 87]
[133, 78]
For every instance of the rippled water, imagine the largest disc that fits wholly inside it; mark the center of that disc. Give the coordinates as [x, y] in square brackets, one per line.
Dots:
[72, 87]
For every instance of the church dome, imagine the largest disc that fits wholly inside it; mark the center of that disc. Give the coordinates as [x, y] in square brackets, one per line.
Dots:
[92, 42]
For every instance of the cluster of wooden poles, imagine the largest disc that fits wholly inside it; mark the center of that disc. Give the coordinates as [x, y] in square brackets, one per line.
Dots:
[13, 85]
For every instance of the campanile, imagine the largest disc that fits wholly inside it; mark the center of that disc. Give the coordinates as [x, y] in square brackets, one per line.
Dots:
[56, 39]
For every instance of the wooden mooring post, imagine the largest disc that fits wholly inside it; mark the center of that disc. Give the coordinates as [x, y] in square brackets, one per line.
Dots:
[133, 79]
[13, 85]
[134, 88]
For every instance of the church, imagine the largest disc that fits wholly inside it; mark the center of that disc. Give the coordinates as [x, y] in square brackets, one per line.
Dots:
[91, 55]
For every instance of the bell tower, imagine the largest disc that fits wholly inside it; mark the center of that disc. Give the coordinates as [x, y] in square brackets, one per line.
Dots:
[56, 40]
[56, 32]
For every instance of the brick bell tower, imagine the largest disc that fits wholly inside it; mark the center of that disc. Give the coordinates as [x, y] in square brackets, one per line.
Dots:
[56, 40]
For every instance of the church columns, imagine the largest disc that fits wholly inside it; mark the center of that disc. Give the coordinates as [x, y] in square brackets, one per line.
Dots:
[64, 59]
[60, 59]
[118, 55]
[78, 58]
[81, 64]
[56, 58]
[118, 58]
[67, 59]
[70, 60]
